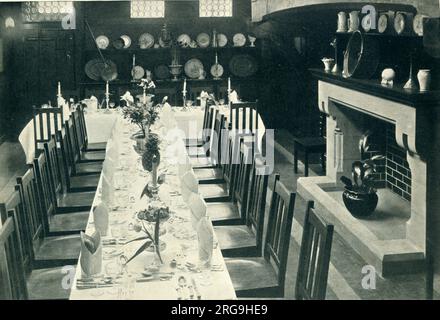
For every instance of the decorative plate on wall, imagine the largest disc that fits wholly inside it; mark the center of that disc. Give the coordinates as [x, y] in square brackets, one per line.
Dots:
[96, 67]
[162, 72]
[127, 41]
[222, 40]
[243, 65]
[239, 40]
[137, 72]
[146, 41]
[203, 40]
[118, 43]
[193, 67]
[102, 42]
[399, 22]
[418, 24]
[184, 40]
[217, 70]
[382, 23]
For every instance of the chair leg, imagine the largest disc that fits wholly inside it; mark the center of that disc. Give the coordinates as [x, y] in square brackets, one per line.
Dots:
[295, 159]
[306, 164]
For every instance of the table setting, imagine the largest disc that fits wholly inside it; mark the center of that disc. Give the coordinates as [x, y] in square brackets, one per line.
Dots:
[143, 240]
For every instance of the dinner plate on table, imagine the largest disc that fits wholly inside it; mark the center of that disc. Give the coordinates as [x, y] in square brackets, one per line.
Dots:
[193, 67]
[243, 65]
[203, 40]
[146, 41]
[162, 72]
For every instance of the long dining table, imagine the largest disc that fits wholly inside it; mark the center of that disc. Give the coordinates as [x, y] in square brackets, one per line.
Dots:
[180, 274]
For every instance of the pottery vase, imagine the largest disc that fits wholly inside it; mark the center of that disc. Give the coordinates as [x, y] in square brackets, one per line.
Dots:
[424, 77]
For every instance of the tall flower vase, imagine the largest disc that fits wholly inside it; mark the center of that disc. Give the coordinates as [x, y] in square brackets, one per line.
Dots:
[424, 77]
[141, 140]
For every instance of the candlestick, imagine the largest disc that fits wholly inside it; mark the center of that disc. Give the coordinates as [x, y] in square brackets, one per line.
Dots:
[107, 96]
[134, 60]
[59, 89]
[184, 85]
[106, 88]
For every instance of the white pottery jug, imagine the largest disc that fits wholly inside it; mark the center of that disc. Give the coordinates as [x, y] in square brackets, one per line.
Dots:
[342, 22]
[353, 21]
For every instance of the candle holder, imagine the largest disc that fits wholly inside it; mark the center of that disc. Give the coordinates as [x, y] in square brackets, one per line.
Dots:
[175, 70]
[184, 92]
[336, 68]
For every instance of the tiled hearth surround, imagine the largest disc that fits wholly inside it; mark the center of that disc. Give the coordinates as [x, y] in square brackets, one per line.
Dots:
[345, 126]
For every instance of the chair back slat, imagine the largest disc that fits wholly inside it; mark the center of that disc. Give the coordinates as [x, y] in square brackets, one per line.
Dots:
[257, 198]
[83, 126]
[78, 130]
[314, 258]
[45, 185]
[277, 240]
[208, 126]
[12, 274]
[72, 140]
[54, 164]
[242, 177]
[216, 140]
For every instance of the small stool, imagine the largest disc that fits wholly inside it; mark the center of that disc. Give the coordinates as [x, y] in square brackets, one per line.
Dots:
[308, 145]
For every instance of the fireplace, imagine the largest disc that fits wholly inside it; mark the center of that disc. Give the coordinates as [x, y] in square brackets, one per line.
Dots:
[394, 240]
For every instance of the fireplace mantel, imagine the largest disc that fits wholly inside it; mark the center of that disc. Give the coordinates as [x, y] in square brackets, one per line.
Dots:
[415, 116]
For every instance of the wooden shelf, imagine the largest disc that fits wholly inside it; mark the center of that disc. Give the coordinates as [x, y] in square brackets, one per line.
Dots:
[162, 50]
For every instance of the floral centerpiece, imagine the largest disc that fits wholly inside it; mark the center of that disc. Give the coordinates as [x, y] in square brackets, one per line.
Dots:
[149, 225]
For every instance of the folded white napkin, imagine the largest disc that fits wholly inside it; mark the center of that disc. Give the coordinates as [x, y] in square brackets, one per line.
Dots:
[233, 97]
[188, 185]
[100, 218]
[205, 234]
[198, 208]
[91, 254]
[107, 191]
[127, 97]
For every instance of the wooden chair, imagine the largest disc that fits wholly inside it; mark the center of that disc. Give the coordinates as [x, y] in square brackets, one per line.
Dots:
[98, 146]
[33, 279]
[310, 145]
[74, 183]
[83, 154]
[246, 240]
[12, 275]
[223, 192]
[207, 126]
[39, 201]
[78, 168]
[39, 249]
[314, 257]
[46, 122]
[265, 276]
[233, 212]
[66, 201]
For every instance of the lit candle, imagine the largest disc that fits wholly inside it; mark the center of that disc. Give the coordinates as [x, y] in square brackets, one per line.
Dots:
[59, 89]
[154, 171]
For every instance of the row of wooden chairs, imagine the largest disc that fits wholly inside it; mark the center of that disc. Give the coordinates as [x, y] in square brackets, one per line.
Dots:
[235, 193]
[42, 219]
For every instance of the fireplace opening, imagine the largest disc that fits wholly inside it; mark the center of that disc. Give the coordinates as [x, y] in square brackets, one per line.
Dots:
[393, 172]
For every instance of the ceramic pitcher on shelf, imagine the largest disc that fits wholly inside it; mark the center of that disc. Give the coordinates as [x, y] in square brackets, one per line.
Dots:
[424, 77]
[353, 21]
[342, 22]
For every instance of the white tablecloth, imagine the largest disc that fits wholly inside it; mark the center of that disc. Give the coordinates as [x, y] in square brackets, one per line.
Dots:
[179, 238]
